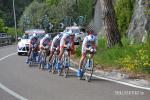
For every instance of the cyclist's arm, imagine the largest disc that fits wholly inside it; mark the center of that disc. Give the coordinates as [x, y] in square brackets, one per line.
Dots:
[86, 47]
[94, 46]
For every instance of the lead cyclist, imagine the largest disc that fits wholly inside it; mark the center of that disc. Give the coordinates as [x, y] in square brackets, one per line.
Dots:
[88, 45]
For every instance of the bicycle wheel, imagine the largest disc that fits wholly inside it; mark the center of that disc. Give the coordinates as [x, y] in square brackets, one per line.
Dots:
[31, 59]
[54, 62]
[53, 69]
[66, 64]
[59, 68]
[66, 69]
[89, 69]
[30, 63]
[59, 71]
[43, 61]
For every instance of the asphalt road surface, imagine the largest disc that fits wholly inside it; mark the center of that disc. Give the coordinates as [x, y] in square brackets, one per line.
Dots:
[34, 84]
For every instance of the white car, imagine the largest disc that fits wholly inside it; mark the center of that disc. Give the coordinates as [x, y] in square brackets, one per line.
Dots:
[24, 41]
[79, 36]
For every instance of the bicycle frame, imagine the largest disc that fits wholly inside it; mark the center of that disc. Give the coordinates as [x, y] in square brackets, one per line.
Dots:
[66, 63]
[54, 61]
[43, 57]
[33, 57]
[88, 67]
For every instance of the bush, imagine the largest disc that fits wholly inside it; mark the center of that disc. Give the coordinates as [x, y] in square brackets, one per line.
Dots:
[85, 9]
[11, 31]
[138, 63]
[1, 25]
[124, 10]
[78, 51]
[133, 58]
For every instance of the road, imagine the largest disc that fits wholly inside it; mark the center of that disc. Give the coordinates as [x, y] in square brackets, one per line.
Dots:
[34, 84]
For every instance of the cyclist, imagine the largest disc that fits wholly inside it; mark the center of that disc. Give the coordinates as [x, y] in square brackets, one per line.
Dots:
[45, 42]
[34, 43]
[67, 41]
[88, 45]
[55, 45]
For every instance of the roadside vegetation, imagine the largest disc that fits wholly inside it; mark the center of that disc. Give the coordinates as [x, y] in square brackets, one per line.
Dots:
[129, 58]
[124, 10]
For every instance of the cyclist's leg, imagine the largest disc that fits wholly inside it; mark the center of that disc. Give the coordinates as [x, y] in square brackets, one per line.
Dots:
[61, 53]
[40, 54]
[29, 52]
[81, 60]
[28, 56]
[91, 55]
[51, 55]
[60, 57]
[80, 71]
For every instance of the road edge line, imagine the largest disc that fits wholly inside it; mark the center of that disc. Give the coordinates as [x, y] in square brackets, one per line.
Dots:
[116, 81]
[11, 92]
[7, 56]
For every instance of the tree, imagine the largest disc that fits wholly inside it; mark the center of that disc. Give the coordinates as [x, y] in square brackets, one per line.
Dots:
[110, 24]
[1, 25]
[53, 2]
[6, 10]
[124, 10]
[32, 16]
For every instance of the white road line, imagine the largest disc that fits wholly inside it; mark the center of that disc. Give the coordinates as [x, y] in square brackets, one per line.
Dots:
[16, 95]
[8, 56]
[116, 81]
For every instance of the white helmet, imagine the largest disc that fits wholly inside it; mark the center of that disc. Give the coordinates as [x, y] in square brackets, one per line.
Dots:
[91, 38]
[70, 32]
[47, 36]
[34, 35]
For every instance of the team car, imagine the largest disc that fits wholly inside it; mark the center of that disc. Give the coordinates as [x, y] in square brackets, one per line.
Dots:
[23, 43]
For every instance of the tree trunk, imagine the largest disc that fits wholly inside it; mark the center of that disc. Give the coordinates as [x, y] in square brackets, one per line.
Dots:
[110, 24]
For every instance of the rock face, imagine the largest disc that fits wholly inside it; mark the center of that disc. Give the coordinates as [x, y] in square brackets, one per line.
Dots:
[140, 23]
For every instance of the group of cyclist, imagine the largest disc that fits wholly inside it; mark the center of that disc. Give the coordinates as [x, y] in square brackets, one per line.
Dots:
[62, 41]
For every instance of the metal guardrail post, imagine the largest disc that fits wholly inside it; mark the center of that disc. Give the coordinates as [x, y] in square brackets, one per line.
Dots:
[5, 41]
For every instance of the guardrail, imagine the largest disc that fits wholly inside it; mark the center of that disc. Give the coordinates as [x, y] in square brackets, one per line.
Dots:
[5, 41]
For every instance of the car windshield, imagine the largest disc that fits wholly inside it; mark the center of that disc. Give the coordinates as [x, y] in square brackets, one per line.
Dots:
[26, 36]
[40, 36]
[75, 30]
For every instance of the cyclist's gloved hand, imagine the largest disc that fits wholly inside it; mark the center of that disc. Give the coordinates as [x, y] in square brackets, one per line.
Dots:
[46, 47]
[57, 48]
[92, 50]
